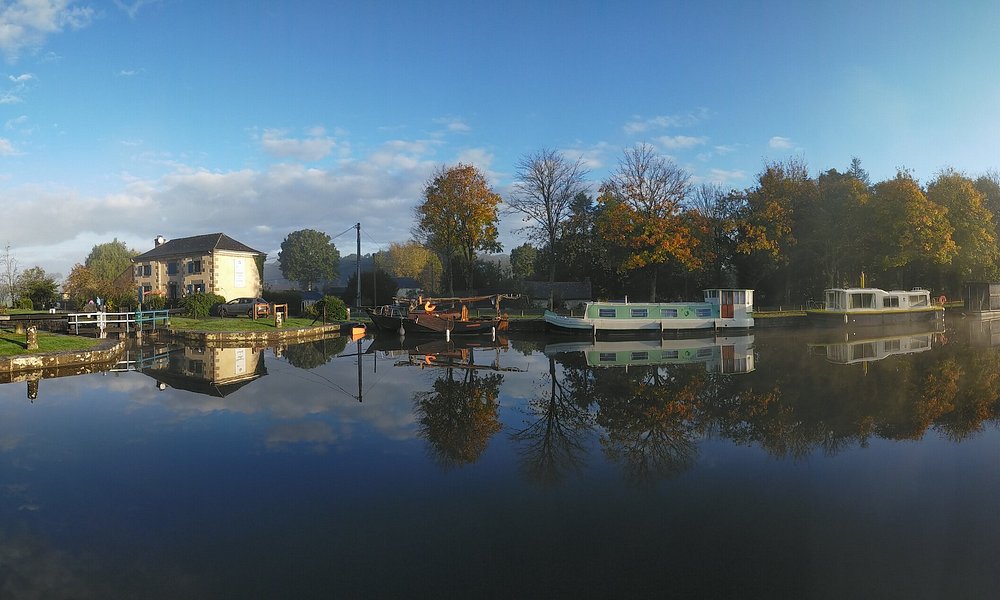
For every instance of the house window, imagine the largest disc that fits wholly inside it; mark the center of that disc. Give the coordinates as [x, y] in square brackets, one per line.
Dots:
[668, 313]
[640, 313]
[147, 270]
[606, 313]
[172, 268]
[190, 289]
[138, 270]
[703, 312]
[194, 266]
[199, 288]
[147, 288]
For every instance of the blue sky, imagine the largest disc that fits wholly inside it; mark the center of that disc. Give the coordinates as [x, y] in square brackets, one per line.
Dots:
[129, 119]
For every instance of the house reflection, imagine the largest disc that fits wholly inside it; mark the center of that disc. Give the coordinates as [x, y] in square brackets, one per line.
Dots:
[718, 354]
[213, 371]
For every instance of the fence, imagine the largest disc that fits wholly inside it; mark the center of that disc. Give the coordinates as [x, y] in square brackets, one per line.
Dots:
[128, 321]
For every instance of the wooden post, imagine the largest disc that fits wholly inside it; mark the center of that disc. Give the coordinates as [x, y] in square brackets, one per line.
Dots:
[31, 338]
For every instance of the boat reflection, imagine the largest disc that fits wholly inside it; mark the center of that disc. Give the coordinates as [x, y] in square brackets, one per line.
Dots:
[718, 354]
[865, 350]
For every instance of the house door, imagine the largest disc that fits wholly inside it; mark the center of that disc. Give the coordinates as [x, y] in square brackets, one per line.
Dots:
[726, 304]
[172, 290]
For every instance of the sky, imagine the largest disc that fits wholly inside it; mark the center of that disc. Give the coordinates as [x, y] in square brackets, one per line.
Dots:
[128, 119]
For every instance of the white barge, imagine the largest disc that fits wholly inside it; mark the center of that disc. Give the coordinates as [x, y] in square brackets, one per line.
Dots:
[872, 306]
[721, 309]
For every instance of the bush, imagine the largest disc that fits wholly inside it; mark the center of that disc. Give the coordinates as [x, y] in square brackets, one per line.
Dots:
[336, 310]
[197, 306]
[155, 302]
[24, 303]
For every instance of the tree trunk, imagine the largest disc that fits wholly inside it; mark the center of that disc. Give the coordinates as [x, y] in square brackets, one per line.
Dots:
[552, 281]
[652, 284]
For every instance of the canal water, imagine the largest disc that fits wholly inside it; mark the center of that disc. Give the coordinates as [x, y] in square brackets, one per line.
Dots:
[783, 464]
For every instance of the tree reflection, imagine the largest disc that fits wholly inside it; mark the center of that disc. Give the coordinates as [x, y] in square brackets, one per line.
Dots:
[650, 419]
[555, 443]
[314, 354]
[459, 415]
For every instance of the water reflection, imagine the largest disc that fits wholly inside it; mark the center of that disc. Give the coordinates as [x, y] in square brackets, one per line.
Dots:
[212, 371]
[887, 343]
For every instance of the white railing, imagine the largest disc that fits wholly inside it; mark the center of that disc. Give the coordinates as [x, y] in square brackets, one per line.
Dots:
[131, 320]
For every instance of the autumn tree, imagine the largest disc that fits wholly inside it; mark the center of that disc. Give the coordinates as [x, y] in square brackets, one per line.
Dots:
[642, 213]
[545, 185]
[914, 232]
[80, 284]
[458, 218]
[989, 186]
[413, 259]
[308, 256]
[977, 255]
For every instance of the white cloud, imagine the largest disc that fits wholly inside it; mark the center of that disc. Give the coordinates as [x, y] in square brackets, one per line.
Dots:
[6, 147]
[16, 122]
[723, 176]
[315, 146]
[22, 78]
[780, 143]
[642, 125]
[26, 24]
[133, 9]
[681, 142]
[453, 124]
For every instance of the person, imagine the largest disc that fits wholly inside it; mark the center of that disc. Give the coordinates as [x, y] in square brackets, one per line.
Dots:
[90, 306]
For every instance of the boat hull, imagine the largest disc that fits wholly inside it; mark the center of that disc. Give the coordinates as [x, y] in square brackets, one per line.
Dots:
[595, 326]
[875, 318]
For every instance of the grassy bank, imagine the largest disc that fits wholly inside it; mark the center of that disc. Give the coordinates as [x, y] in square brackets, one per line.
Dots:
[12, 343]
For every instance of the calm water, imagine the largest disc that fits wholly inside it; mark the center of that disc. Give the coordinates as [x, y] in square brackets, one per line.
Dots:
[786, 464]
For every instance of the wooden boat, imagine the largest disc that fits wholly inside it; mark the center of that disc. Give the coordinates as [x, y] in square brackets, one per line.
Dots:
[721, 309]
[717, 354]
[871, 306]
[438, 316]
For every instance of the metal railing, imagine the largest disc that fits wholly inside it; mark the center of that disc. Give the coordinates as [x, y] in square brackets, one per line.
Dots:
[131, 320]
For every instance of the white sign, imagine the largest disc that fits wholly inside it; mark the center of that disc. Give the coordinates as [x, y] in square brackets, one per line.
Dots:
[240, 273]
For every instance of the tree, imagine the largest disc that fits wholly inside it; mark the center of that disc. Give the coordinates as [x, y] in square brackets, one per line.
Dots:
[522, 261]
[642, 206]
[308, 256]
[914, 231]
[989, 186]
[109, 260]
[373, 293]
[415, 260]
[545, 185]
[977, 256]
[80, 284]
[458, 217]
[39, 286]
[8, 276]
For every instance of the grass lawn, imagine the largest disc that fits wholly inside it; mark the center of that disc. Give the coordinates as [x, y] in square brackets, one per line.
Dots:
[238, 323]
[12, 344]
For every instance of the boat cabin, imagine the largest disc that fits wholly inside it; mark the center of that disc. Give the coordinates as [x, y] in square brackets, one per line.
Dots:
[862, 299]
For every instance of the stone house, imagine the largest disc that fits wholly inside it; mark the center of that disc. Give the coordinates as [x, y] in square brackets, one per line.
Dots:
[213, 263]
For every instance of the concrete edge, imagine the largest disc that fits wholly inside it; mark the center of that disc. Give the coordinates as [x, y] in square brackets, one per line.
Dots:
[105, 351]
[255, 337]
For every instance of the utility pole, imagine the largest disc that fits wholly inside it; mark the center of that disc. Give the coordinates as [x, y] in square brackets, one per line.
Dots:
[357, 304]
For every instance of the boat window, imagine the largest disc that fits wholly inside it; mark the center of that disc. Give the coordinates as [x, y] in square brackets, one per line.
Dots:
[859, 300]
[608, 357]
[919, 301]
[703, 312]
[739, 297]
[668, 313]
[640, 356]
[640, 313]
[606, 313]
[670, 354]
[890, 302]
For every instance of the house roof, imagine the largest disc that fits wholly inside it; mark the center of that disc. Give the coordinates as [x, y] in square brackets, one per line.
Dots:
[195, 245]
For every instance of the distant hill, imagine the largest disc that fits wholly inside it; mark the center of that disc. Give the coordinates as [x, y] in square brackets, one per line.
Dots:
[274, 280]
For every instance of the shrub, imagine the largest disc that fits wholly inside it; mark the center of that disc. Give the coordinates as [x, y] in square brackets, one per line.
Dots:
[24, 303]
[155, 302]
[197, 306]
[336, 310]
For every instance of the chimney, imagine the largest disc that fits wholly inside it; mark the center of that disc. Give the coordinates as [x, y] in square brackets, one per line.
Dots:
[159, 241]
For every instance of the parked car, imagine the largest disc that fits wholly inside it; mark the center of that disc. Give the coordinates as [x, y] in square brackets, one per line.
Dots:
[242, 306]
